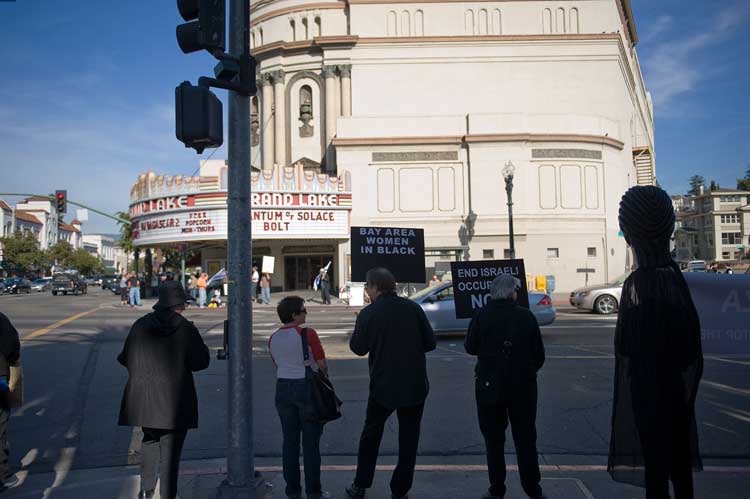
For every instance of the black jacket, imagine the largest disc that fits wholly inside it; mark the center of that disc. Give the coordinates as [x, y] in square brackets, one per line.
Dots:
[396, 333]
[161, 352]
[502, 371]
[10, 346]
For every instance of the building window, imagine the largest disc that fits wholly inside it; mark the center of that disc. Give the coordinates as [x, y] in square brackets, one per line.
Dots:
[591, 252]
[710, 239]
[553, 252]
[488, 254]
[507, 254]
[306, 111]
[731, 238]
[730, 219]
[730, 199]
[725, 255]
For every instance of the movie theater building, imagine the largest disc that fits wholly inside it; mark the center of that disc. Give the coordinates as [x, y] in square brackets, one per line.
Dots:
[424, 103]
[299, 217]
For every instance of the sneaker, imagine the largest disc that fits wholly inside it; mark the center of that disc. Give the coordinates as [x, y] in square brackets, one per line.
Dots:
[322, 495]
[10, 481]
[355, 491]
[145, 494]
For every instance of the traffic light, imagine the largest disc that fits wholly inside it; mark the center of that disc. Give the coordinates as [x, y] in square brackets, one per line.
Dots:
[61, 198]
[206, 26]
[199, 119]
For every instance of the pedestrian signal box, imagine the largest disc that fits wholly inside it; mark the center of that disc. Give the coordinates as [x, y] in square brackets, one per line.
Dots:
[199, 119]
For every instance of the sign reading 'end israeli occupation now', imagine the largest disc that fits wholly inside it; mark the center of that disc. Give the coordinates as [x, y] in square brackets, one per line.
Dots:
[398, 249]
[472, 282]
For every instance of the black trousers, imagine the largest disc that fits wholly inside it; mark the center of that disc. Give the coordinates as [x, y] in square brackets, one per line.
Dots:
[325, 292]
[161, 451]
[409, 421]
[493, 421]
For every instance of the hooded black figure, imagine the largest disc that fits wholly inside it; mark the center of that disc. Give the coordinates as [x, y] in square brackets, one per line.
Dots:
[658, 358]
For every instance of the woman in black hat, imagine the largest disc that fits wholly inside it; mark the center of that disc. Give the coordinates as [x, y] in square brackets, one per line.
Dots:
[161, 352]
[658, 358]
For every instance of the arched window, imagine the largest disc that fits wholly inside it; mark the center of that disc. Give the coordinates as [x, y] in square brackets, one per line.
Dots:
[392, 24]
[497, 24]
[254, 122]
[482, 22]
[293, 26]
[419, 23]
[574, 23]
[318, 27]
[305, 28]
[260, 32]
[252, 40]
[547, 21]
[469, 22]
[405, 23]
[560, 21]
[306, 111]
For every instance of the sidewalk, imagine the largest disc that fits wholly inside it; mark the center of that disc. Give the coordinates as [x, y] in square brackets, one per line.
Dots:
[436, 478]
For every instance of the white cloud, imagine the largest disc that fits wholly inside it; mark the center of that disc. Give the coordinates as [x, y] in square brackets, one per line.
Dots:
[661, 26]
[675, 68]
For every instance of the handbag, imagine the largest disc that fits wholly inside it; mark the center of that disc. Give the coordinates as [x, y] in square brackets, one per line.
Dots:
[322, 403]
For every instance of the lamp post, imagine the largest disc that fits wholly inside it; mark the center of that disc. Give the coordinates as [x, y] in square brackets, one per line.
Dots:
[508, 171]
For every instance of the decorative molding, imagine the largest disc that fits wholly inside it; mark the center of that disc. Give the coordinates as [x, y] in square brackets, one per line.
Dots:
[345, 70]
[488, 38]
[478, 139]
[297, 8]
[329, 71]
[278, 76]
[565, 153]
[321, 111]
[415, 156]
[317, 43]
[266, 78]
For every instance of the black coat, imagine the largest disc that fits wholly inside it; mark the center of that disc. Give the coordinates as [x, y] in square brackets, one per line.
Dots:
[503, 372]
[396, 333]
[162, 351]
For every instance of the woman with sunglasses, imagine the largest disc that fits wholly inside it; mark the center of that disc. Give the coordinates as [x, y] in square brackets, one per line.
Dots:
[285, 346]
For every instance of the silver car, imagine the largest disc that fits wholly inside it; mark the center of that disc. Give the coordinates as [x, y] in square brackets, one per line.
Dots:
[440, 308]
[602, 298]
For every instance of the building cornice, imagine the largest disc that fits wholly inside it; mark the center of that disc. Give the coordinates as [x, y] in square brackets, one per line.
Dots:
[480, 139]
[297, 8]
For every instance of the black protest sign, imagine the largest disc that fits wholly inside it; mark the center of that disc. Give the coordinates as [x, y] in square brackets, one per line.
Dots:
[472, 282]
[397, 249]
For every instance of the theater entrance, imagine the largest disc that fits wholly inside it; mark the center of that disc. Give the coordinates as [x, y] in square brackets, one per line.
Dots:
[300, 271]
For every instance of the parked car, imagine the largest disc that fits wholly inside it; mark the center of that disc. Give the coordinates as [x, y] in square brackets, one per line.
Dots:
[602, 298]
[42, 284]
[68, 283]
[440, 308]
[17, 285]
[696, 266]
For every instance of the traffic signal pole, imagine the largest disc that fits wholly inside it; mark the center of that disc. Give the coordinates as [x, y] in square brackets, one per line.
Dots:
[240, 482]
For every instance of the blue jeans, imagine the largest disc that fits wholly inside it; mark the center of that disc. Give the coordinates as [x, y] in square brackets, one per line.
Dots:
[290, 402]
[202, 297]
[265, 295]
[135, 296]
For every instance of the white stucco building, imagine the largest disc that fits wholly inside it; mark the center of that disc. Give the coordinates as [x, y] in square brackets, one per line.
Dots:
[423, 103]
[44, 211]
[106, 248]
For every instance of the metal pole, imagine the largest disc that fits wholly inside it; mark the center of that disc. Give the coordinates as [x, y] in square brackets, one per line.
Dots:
[240, 482]
[509, 191]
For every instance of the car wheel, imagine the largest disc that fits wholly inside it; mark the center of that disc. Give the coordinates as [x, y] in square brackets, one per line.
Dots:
[605, 305]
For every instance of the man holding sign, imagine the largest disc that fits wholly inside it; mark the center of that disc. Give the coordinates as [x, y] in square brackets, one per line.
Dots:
[507, 341]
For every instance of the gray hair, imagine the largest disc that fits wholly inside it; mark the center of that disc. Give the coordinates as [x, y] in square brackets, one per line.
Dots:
[503, 286]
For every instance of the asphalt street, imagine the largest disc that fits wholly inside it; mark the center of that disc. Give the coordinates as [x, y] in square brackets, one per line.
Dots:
[73, 386]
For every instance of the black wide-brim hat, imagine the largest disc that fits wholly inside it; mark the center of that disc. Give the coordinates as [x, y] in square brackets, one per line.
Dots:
[171, 294]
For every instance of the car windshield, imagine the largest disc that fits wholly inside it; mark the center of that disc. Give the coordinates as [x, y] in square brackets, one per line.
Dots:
[39, 281]
[620, 280]
[426, 291]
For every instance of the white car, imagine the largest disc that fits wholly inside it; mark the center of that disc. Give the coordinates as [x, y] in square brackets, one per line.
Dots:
[602, 298]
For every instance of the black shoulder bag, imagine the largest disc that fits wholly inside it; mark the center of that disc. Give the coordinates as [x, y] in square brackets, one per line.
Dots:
[322, 403]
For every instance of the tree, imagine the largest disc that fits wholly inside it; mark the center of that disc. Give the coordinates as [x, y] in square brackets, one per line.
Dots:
[59, 253]
[714, 186]
[85, 262]
[743, 184]
[126, 232]
[21, 250]
[696, 182]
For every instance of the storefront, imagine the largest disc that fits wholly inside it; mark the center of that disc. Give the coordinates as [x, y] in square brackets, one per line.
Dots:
[299, 217]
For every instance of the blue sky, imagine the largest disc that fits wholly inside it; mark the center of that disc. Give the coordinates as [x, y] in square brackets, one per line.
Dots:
[87, 94]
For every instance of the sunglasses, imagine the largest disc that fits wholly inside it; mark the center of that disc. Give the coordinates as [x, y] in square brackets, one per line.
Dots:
[303, 311]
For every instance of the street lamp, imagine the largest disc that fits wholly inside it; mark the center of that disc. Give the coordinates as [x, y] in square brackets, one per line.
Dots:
[508, 171]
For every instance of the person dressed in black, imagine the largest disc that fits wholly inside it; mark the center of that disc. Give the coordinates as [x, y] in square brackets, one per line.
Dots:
[10, 353]
[507, 341]
[161, 352]
[325, 287]
[396, 334]
[658, 358]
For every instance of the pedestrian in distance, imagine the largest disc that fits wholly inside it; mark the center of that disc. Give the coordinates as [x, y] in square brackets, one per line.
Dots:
[434, 281]
[285, 346]
[729, 270]
[161, 352]
[193, 287]
[507, 341]
[201, 285]
[134, 284]
[325, 287]
[254, 280]
[396, 334]
[10, 354]
[124, 290]
[658, 358]
[265, 289]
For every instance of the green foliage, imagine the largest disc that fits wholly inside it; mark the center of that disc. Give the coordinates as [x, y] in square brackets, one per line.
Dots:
[126, 232]
[85, 262]
[59, 253]
[714, 186]
[21, 250]
[743, 184]
[696, 181]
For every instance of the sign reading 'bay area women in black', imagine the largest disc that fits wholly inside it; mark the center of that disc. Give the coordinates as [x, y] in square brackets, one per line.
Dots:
[397, 249]
[472, 283]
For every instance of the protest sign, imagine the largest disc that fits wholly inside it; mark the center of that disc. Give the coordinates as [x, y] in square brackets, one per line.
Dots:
[472, 281]
[397, 249]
